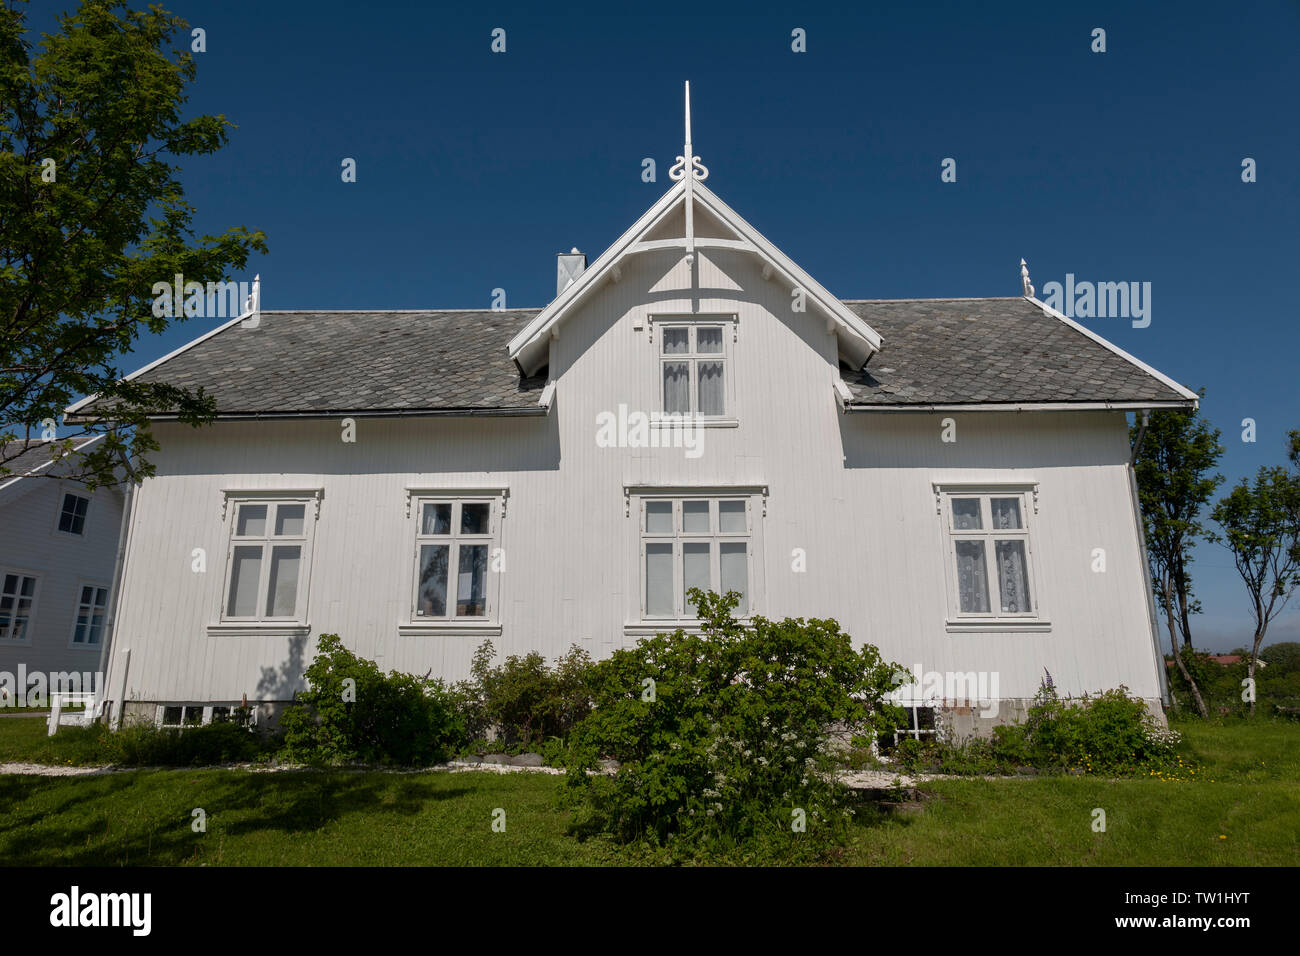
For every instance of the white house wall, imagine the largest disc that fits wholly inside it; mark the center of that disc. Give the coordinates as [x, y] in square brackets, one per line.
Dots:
[855, 492]
[31, 542]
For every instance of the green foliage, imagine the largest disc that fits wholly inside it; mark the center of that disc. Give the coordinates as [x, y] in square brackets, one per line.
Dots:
[354, 712]
[721, 737]
[1260, 524]
[1109, 733]
[1175, 479]
[522, 699]
[85, 236]
[144, 745]
[1283, 657]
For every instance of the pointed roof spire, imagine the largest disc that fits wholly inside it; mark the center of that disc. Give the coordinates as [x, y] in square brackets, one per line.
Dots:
[1024, 280]
[688, 162]
[689, 168]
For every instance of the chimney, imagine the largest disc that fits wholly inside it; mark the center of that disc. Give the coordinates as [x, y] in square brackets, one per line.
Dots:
[568, 266]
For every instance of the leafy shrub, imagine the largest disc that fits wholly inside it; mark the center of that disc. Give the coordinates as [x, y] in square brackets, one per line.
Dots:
[522, 699]
[721, 736]
[144, 745]
[1282, 658]
[1109, 733]
[354, 712]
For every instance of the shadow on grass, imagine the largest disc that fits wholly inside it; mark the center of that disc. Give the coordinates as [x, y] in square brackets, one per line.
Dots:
[102, 822]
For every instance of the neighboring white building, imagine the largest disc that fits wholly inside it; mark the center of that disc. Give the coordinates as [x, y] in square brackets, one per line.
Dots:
[949, 479]
[58, 545]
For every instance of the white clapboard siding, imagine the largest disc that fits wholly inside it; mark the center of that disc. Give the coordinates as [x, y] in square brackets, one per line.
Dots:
[853, 491]
[30, 542]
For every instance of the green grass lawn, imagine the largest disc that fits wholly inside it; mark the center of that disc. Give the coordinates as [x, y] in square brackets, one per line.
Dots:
[1244, 809]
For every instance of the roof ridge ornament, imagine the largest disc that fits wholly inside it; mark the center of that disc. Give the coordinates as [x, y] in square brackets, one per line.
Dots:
[688, 162]
[1024, 280]
[689, 168]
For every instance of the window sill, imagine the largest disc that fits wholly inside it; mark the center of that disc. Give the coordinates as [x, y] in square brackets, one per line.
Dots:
[84, 647]
[684, 421]
[997, 625]
[667, 626]
[258, 629]
[450, 629]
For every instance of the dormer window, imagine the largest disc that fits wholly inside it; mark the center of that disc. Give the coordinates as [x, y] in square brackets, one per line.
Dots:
[693, 369]
[72, 516]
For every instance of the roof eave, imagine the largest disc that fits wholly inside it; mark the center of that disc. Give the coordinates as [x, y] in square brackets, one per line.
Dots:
[1138, 405]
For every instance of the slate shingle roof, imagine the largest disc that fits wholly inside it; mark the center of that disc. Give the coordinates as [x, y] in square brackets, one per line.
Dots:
[972, 351]
[936, 351]
[30, 454]
[27, 456]
[360, 361]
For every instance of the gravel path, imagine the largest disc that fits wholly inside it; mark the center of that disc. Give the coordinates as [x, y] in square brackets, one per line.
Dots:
[44, 770]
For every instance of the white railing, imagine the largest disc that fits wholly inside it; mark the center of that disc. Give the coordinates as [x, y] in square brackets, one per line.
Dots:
[60, 716]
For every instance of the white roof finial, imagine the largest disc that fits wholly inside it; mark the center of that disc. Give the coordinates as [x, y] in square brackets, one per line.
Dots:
[1024, 280]
[688, 165]
[688, 116]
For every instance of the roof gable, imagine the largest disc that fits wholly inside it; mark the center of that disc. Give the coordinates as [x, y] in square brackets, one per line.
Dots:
[719, 226]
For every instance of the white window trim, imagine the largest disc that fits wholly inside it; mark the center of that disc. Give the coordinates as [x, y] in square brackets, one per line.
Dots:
[635, 497]
[206, 717]
[730, 417]
[487, 625]
[76, 608]
[223, 625]
[958, 621]
[31, 618]
[58, 513]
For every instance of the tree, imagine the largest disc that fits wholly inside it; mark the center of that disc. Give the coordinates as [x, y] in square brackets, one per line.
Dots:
[1260, 524]
[1179, 452]
[92, 215]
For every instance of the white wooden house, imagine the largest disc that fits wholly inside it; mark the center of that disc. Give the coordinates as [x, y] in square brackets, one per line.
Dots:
[950, 479]
[58, 550]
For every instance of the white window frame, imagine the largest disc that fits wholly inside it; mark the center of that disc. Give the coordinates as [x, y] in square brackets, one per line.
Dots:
[5, 639]
[994, 619]
[262, 623]
[85, 520]
[487, 624]
[76, 613]
[684, 614]
[206, 714]
[729, 325]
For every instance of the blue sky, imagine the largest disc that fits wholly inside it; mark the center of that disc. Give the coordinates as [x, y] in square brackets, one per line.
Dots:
[475, 168]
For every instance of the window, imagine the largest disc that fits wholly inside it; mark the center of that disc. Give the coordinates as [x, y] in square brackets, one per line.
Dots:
[72, 517]
[17, 597]
[454, 540]
[989, 554]
[919, 722]
[693, 542]
[266, 570]
[183, 716]
[88, 626]
[693, 369]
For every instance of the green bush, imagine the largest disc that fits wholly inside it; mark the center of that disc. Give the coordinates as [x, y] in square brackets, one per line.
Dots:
[721, 737]
[354, 712]
[524, 701]
[1108, 733]
[1281, 658]
[144, 745]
